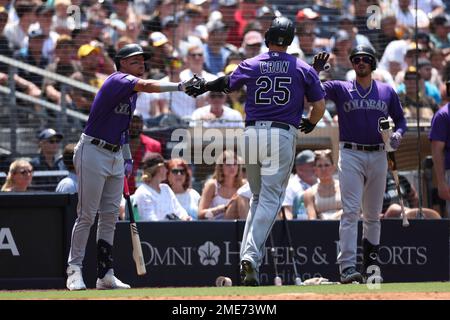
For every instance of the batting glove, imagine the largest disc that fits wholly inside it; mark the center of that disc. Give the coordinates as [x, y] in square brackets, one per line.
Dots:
[395, 140]
[306, 126]
[194, 86]
[128, 167]
[320, 61]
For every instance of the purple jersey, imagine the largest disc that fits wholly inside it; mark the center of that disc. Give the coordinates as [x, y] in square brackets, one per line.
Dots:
[276, 84]
[440, 130]
[359, 110]
[113, 106]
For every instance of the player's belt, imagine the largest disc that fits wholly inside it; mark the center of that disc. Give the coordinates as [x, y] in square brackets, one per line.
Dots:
[105, 145]
[274, 124]
[364, 147]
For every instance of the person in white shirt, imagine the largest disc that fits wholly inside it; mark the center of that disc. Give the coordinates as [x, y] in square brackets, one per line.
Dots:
[70, 183]
[406, 15]
[217, 114]
[155, 200]
[179, 179]
[303, 178]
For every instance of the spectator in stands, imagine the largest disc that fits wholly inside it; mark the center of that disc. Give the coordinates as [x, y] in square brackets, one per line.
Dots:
[64, 65]
[339, 60]
[391, 206]
[323, 199]
[19, 176]
[407, 15]
[155, 200]
[252, 44]
[366, 26]
[16, 31]
[61, 21]
[49, 143]
[216, 52]
[426, 105]
[179, 179]
[216, 114]
[70, 183]
[389, 32]
[239, 205]
[440, 32]
[161, 48]
[44, 15]
[346, 23]
[245, 13]
[140, 145]
[218, 190]
[33, 55]
[194, 62]
[235, 99]
[89, 56]
[228, 8]
[303, 178]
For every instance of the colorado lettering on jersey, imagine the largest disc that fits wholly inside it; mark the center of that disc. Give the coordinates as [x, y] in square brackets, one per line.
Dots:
[274, 66]
[122, 108]
[369, 104]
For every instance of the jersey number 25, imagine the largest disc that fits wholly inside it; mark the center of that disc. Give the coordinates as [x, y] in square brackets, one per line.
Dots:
[273, 91]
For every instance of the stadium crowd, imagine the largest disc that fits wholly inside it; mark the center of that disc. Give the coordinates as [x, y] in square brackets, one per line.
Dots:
[79, 39]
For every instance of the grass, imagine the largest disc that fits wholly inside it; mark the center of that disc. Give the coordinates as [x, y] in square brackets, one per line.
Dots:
[223, 291]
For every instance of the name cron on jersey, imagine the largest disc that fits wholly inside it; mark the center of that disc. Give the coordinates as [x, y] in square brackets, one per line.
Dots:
[122, 108]
[370, 104]
[274, 66]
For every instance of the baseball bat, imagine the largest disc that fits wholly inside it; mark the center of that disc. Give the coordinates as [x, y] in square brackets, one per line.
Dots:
[386, 134]
[138, 257]
[277, 280]
[393, 166]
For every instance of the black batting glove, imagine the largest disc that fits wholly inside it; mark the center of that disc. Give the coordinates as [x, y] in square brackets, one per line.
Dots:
[320, 61]
[306, 126]
[195, 86]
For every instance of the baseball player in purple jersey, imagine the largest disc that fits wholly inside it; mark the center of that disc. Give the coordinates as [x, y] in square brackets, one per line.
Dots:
[277, 84]
[362, 167]
[440, 150]
[102, 157]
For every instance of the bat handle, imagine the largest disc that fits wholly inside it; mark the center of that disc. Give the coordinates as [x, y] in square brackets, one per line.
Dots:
[126, 190]
[405, 222]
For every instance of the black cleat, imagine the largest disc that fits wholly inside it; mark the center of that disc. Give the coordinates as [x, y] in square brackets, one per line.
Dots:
[350, 275]
[370, 267]
[249, 276]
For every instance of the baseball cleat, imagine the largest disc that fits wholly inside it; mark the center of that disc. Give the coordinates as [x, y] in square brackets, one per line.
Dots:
[109, 281]
[75, 279]
[350, 275]
[249, 276]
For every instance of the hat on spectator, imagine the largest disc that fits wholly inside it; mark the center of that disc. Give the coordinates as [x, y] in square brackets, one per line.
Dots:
[415, 47]
[62, 2]
[342, 35]
[411, 73]
[304, 157]
[441, 20]
[346, 17]
[87, 49]
[197, 2]
[253, 37]
[36, 33]
[228, 3]
[216, 25]
[49, 133]
[265, 11]
[230, 68]
[158, 38]
[307, 14]
[422, 62]
[168, 22]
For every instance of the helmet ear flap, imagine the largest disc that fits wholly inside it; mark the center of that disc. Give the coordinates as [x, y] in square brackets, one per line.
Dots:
[266, 38]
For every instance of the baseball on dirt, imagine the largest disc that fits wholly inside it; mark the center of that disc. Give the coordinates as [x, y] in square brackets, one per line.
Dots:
[223, 282]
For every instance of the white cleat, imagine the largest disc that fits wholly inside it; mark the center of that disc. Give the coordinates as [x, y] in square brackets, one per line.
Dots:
[109, 281]
[75, 279]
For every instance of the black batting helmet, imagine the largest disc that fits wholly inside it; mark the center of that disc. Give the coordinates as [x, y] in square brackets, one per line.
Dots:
[281, 32]
[129, 50]
[363, 50]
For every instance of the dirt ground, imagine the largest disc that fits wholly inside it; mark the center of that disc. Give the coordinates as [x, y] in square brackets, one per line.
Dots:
[314, 296]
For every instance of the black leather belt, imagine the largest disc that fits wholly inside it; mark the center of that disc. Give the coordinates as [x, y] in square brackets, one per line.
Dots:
[274, 124]
[364, 147]
[106, 145]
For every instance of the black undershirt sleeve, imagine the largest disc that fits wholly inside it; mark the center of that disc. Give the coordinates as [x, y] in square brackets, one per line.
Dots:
[219, 85]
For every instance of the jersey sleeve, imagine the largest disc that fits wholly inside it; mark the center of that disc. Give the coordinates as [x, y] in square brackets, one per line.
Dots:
[439, 127]
[330, 90]
[313, 90]
[121, 86]
[240, 75]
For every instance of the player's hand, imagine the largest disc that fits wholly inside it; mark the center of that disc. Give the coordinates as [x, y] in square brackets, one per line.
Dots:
[306, 126]
[320, 61]
[128, 167]
[395, 140]
[194, 86]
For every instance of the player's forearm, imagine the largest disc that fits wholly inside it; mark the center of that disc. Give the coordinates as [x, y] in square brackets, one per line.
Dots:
[437, 152]
[317, 111]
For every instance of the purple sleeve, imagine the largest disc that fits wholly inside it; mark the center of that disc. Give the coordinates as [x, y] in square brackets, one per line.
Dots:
[240, 76]
[313, 91]
[439, 127]
[330, 92]
[396, 113]
[121, 86]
